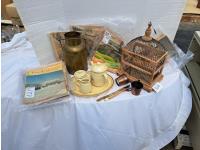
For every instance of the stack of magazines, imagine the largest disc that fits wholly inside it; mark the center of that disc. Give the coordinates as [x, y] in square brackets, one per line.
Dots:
[45, 84]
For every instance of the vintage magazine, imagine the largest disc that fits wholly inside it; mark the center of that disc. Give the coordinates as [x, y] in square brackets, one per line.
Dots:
[45, 84]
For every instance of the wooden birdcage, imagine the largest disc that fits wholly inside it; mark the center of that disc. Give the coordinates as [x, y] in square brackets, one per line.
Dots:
[143, 59]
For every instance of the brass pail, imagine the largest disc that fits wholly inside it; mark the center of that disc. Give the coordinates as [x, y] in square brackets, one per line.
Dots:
[75, 52]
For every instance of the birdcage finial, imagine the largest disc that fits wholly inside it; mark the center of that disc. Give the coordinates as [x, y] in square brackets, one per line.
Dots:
[147, 36]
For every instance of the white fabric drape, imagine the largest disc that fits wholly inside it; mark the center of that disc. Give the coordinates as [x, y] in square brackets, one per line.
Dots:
[127, 122]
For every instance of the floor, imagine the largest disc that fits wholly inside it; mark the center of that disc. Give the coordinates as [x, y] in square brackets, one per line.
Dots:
[171, 147]
[185, 33]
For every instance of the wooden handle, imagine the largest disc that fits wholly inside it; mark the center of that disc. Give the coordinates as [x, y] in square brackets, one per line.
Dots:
[116, 93]
[110, 96]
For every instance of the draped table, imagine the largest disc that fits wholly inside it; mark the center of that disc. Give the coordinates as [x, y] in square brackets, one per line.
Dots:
[127, 122]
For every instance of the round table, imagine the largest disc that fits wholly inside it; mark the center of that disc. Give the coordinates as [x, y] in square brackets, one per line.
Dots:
[127, 122]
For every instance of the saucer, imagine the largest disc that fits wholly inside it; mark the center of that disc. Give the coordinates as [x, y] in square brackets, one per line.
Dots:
[95, 90]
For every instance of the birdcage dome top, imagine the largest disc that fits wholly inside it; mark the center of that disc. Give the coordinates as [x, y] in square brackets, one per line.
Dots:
[146, 46]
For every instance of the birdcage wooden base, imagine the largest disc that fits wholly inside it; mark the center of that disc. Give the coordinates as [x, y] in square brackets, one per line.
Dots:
[147, 86]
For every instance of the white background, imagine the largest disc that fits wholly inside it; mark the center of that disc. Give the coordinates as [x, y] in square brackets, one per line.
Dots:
[129, 18]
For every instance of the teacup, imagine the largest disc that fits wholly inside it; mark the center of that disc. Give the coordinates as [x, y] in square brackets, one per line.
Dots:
[99, 74]
[82, 81]
[80, 75]
[85, 86]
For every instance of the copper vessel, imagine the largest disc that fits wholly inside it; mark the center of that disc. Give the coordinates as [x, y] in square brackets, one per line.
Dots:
[122, 80]
[136, 87]
[75, 52]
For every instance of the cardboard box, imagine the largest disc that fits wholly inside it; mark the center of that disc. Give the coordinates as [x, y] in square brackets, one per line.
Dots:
[3, 8]
[11, 11]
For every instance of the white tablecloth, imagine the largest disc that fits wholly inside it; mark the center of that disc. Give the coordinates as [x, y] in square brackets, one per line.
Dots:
[127, 122]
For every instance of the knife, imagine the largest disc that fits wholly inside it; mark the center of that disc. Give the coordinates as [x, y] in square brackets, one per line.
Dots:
[114, 94]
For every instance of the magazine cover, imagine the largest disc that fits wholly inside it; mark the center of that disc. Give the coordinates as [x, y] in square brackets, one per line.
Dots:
[45, 84]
